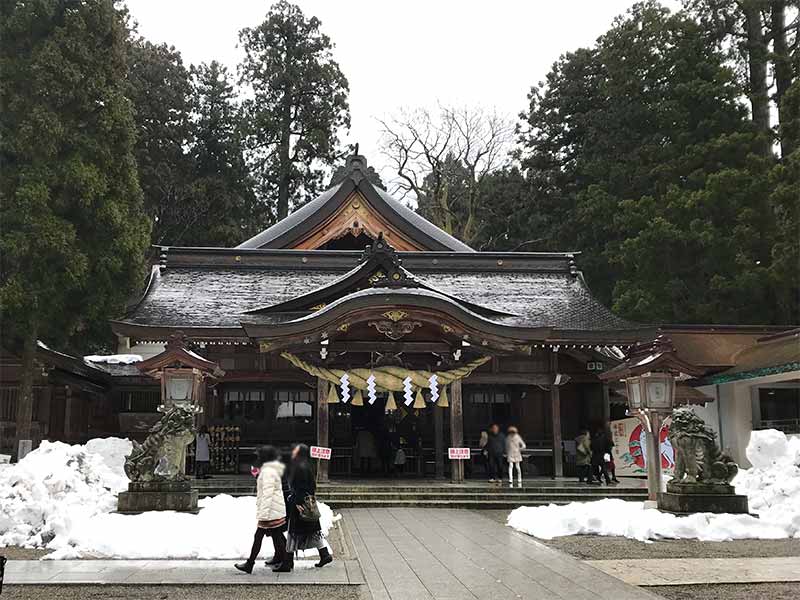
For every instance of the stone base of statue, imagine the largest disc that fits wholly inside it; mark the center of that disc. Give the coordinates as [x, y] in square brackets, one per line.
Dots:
[686, 498]
[143, 496]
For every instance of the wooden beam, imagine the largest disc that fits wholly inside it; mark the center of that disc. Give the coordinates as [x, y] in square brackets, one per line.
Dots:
[555, 403]
[456, 430]
[438, 440]
[322, 427]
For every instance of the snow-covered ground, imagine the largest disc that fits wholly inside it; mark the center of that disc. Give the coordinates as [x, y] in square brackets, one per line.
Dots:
[61, 497]
[772, 486]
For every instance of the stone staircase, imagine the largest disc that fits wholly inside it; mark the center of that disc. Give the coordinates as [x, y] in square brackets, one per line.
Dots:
[434, 494]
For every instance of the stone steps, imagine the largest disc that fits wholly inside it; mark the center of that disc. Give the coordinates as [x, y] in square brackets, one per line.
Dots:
[440, 494]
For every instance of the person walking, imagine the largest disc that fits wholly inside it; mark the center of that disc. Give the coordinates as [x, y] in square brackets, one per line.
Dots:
[202, 457]
[583, 456]
[495, 448]
[303, 533]
[514, 447]
[600, 448]
[270, 509]
[609, 456]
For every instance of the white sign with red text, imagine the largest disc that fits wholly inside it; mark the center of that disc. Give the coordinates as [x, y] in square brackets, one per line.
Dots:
[458, 453]
[320, 452]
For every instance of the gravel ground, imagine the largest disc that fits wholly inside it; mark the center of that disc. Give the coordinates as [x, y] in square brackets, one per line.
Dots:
[596, 547]
[752, 591]
[168, 592]
[17, 553]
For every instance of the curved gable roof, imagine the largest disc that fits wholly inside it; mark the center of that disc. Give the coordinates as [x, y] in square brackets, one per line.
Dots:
[304, 221]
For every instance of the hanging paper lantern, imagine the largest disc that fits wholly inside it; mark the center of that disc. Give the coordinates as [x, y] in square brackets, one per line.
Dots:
[419, 401]
[408, 392]
[371, 388]
[345, 380]
[390, 403]
[358, 399]
[443, 402]
[434, 385]
[332, 397]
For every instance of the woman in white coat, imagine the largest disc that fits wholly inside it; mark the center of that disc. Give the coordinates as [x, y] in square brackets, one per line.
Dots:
[270, 509]
[514, 447]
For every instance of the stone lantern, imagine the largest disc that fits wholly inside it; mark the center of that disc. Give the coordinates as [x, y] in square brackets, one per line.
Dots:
[649, 374]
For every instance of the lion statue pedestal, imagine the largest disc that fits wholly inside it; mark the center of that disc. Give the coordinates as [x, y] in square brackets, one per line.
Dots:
[703, 474]
[157, 467]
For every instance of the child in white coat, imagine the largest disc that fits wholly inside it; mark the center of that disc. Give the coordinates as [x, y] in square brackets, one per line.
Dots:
[514, 447]
[270, 509]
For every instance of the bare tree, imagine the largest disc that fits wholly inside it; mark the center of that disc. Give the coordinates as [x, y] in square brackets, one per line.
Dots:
[442, 157]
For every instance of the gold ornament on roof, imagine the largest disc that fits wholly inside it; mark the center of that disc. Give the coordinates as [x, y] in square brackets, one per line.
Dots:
[395, 315]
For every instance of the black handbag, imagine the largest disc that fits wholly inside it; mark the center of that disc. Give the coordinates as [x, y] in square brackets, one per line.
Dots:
[308, 510]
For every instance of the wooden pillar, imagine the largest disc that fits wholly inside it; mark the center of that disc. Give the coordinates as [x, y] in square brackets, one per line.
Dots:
[438, 443]
[456, 430]
[322, 427]
[555, 405]
[606, 403]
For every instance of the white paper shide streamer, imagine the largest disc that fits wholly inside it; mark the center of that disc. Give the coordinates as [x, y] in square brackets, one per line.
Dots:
[408, 392]
[371, 389]
[434, 385]
[345, 380]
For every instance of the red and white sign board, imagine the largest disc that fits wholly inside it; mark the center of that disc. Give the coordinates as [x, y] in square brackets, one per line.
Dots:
[458, 453]
[320, 452]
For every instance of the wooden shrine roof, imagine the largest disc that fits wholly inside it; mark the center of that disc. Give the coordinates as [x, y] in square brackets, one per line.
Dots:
[354, 198]
[212, 291]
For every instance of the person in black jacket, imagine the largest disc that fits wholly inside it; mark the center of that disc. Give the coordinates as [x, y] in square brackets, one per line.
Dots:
[302, 534]
[601, 445]
[495, 448]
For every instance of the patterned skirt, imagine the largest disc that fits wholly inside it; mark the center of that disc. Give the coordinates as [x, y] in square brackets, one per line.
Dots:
[305, 541]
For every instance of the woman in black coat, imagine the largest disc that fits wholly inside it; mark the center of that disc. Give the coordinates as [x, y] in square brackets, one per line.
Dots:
[302, 534]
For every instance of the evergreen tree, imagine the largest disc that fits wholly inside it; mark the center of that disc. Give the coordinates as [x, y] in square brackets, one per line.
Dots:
[224, 209]
[160, 89]
[73, 230]
[298, 106]
[763, 46]
[640, 154]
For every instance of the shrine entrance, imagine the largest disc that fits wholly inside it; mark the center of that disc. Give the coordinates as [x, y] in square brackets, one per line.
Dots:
[371, 442]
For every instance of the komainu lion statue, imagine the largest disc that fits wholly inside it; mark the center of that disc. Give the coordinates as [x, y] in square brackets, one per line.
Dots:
[697, 457]
[162, 455]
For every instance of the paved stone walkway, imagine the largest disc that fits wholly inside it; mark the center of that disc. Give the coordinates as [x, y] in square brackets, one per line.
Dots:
[206, 572]
[691, 571]
[450, 554]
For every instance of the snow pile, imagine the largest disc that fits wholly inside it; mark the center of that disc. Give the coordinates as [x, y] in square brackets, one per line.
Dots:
[772, 487]
[222, 529]
[114, 359]
[62, 498]
[57, 486]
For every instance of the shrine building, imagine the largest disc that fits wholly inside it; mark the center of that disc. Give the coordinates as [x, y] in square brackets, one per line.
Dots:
[355, 324]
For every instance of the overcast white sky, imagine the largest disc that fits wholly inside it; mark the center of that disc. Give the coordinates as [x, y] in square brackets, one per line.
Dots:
[403, 53]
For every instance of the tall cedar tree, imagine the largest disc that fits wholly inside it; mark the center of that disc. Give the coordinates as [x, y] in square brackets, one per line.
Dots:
[160, 89]
[761, 37]
[299, 104]
[73, 230]
[640, 154]
[222, 198]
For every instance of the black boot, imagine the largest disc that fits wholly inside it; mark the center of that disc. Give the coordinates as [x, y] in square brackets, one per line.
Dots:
[275, 560]
[245, 567]
[324, 557]
[286, 566]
